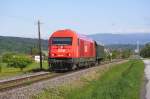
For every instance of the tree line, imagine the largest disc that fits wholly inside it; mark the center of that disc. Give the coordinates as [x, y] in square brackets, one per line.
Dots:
[20, 45]
[145, 52]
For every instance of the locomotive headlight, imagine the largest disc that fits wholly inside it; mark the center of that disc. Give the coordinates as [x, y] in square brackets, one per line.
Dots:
[68, 54]
[53, 54]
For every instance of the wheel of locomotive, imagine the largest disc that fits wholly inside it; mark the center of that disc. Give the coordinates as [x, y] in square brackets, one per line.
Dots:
[92, 64]
[74, 67]
[89, 65]
[96, 63]
[50, 67]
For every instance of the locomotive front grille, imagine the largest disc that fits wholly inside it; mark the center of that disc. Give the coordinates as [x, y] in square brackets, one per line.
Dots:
[60, 60]
[61, 64]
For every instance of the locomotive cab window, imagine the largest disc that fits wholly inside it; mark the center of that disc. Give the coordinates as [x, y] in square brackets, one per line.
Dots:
[62, 40]
[78, 41]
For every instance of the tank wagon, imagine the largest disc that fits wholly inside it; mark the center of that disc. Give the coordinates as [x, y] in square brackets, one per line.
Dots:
[69, 50]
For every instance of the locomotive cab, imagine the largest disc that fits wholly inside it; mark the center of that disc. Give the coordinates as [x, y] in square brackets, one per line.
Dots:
[62, 50]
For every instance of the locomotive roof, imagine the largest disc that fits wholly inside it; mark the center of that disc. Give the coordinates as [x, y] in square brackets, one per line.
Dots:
[81, 36]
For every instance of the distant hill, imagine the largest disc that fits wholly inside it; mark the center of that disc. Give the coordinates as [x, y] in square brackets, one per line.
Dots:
[114, 41]
[123, 46]
[18, 44]
[130, 38]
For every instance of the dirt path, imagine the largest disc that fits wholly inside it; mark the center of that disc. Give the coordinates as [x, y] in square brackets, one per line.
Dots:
[146, 89]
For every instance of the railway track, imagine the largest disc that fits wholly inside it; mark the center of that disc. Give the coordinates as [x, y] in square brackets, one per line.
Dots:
[9, 84]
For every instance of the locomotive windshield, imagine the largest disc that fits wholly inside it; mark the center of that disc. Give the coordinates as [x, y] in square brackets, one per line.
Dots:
[62, 40]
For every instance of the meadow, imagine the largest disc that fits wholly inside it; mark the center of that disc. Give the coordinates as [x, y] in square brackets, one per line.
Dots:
[6, 71]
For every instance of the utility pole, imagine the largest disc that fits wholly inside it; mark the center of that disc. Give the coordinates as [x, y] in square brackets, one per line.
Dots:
[138, 49]
[39, 41]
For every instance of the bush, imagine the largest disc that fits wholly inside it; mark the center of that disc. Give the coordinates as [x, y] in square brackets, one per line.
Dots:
[145, 52]
[121, 53]
[6, 58]
[126, 53]
[116, 54]
[0, 64]
[16, 60]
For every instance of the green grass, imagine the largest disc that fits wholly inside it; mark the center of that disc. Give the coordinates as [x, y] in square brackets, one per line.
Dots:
[120, 82]
[9, 72]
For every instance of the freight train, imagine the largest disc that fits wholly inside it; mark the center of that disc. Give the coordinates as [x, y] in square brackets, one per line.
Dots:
[69, 50]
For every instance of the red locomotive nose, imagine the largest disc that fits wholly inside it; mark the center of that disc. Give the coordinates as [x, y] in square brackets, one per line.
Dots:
[61, 51]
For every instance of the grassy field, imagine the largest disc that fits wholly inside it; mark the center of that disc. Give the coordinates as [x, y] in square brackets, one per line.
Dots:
[119, 82]
[9, 72]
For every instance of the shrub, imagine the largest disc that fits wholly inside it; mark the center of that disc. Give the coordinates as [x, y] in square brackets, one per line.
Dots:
[126, 53]
[116, 54]
[17, 60]
[145, 52]
[0, 64]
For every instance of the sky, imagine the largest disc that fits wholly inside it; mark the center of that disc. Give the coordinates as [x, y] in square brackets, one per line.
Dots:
[19, 17]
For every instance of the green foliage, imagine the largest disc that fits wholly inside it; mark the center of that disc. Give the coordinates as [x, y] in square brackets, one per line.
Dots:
[34, 51]
[145, 52]
[123, 46]
[7, 57]
[114, 84]
[123, 53]
[17, 60]
[116, 54]
[0, 64]
[11, 71]
[22, 45]
[126, 53]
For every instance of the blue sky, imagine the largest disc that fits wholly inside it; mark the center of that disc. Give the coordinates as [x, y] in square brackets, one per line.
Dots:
[19, 17]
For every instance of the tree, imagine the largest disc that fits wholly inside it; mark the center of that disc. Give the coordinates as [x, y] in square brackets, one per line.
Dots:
[145, 52]
[126, 53]
[0, 64]
[34, 51]
[116, 54]
[17, 60]
[6, 58]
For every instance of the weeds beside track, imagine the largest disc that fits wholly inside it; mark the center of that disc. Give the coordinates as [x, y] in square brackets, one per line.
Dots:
[121, 82]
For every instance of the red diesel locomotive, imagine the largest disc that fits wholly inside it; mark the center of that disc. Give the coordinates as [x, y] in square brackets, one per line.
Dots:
[69, 51]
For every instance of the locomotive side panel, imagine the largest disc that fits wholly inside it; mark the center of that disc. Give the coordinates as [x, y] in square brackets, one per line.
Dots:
[87, 55]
